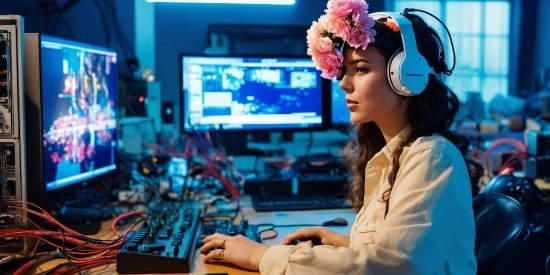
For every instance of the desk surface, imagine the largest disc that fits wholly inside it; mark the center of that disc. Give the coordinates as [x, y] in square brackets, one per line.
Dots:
[277, 218]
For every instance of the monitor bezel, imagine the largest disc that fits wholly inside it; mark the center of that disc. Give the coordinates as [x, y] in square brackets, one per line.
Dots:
[325, 93]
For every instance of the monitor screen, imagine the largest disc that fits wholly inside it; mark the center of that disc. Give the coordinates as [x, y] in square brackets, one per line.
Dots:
[250, 93]
[340, 116]
[79, 98]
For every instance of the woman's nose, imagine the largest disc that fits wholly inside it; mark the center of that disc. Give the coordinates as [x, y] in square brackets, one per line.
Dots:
[345, 85]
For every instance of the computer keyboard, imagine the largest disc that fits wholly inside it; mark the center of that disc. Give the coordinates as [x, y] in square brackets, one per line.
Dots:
[165, 243]
[298, 202]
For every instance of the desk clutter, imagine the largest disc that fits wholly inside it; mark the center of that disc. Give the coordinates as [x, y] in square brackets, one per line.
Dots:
[148, 215]
[163, 239]
[165, 242]
[155, 207]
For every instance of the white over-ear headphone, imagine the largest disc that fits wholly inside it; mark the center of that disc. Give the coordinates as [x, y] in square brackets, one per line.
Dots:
[408, 70]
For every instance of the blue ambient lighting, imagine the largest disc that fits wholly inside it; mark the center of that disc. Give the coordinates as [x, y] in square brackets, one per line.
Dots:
[264, 2]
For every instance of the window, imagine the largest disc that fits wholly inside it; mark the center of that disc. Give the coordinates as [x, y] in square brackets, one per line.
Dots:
[481, 36]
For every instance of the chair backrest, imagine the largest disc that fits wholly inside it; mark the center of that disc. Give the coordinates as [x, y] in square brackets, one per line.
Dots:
[501, 225]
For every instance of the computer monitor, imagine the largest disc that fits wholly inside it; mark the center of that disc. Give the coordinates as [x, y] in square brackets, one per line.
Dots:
[251, 93]
[71, 121]
[339, 115]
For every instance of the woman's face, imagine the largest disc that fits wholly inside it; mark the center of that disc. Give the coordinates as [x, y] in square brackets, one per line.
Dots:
[369, 96]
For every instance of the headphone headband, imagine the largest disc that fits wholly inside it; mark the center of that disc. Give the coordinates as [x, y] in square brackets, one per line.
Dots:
[408, 70]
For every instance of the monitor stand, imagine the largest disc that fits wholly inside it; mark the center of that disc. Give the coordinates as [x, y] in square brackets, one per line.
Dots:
[235, 143]
[82, 211]
[85, 228]
[85, 221]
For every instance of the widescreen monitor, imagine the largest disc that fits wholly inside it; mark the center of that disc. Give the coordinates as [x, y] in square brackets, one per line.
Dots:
[340, 114]
[71, 120]
[251, 93]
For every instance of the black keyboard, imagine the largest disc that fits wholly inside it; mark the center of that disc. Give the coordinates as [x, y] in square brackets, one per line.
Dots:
[165, 243]
[298, 202]
[227, 227]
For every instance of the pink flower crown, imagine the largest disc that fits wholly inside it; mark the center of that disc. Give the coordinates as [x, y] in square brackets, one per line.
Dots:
[345, 21]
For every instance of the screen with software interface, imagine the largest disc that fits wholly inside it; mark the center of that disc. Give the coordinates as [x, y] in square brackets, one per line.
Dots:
[263, 93]
[340, 113]
[79, 99]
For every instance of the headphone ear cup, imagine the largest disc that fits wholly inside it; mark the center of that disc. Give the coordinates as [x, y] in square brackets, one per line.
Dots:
[412, 83]
[394, 77]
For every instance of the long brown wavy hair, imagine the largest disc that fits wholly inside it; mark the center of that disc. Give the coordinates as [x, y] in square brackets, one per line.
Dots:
[431, 112]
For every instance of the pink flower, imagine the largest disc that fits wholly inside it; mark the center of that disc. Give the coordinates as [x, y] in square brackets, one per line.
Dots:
[330, 64]
[325, 22]
[313, 34]
[343, 8]
[324, 44]
[345, 21]
[340, 27]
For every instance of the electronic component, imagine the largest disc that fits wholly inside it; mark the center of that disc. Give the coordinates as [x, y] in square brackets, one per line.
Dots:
[12, 131]
[537, 167]
[165, 243]
[228, 228]
[538, 143]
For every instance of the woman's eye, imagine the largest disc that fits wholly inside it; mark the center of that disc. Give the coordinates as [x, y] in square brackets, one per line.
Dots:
[361, 70]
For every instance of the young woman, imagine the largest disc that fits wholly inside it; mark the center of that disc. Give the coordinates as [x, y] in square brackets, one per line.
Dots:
[414, 181]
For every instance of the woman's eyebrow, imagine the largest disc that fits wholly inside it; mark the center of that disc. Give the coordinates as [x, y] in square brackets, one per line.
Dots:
[355, 61]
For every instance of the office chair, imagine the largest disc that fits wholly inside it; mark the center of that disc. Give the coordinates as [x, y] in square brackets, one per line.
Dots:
[501, 226]
[522, 189]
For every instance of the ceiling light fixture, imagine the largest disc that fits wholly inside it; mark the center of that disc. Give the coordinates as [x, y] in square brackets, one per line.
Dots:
[263, 2]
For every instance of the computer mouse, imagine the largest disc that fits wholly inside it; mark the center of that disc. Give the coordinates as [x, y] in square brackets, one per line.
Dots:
[336, 222]
[314, 241]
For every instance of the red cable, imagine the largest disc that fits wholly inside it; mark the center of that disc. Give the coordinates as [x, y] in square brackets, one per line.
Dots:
[23, 269]
[125, 215]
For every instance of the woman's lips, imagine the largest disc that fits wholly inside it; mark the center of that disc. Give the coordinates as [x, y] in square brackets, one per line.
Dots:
[351, 104]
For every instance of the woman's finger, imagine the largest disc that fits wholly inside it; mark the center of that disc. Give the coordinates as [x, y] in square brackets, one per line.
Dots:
[213, 236]
[214, 243]
[289, 239]
[300, 234]
[216, 254]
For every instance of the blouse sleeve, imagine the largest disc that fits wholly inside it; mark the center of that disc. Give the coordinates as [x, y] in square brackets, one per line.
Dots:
[430, 213]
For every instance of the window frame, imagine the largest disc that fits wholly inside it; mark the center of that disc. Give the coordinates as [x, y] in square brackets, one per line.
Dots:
[514, 51]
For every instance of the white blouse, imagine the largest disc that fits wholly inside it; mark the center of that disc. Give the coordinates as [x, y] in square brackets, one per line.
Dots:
[429, 227]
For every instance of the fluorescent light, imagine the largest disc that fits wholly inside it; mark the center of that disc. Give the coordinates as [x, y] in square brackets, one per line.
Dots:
[264, 2]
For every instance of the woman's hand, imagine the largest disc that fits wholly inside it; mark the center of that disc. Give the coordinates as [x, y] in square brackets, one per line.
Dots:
[238, 250]
[326, 235]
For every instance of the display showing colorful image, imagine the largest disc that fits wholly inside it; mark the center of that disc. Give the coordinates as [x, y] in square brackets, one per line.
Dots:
[79, 111]
[260, 93]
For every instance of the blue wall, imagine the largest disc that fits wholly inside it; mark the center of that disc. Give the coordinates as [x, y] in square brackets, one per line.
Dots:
[182, 28]
[542, 39]
[83, 18]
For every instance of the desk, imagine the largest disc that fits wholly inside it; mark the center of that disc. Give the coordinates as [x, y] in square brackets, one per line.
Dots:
[289, 217]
